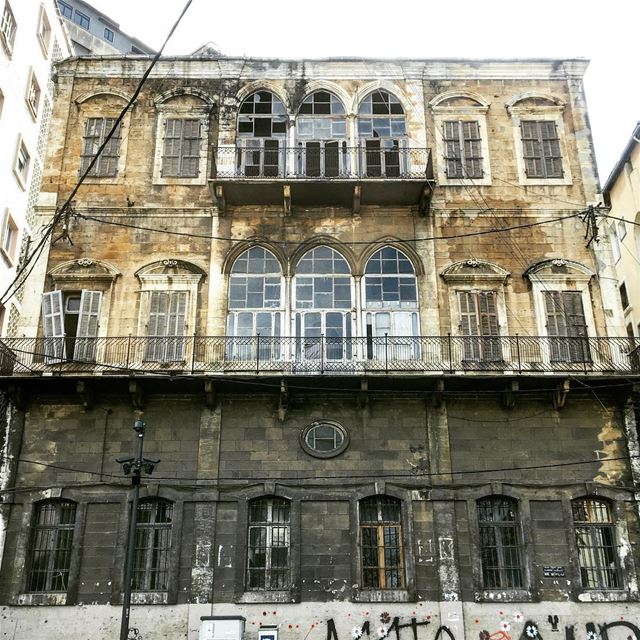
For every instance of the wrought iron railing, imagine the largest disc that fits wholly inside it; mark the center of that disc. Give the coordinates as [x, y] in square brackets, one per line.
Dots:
[321, 355]
[328, 160]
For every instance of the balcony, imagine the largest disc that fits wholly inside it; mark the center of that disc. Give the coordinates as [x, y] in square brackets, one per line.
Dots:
[379, 356]
[325, 173]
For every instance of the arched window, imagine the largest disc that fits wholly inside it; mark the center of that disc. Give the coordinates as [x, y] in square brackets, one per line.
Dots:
[262, 134]
[382, 129]
[381, 543]
[268, 557]
[152, 545]
[391, 305]
[49, 556]
[255, 305]
[323, 303]
[596, 542]
[322, 130]
[501, 550]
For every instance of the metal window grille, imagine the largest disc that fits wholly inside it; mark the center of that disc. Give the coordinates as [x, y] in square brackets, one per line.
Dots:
[152, 546]
[596, 543]
[541, 149]
[268, 563]
[381, 543]
[49, 554]
[500, 543]
[181, 157]
[95, 131]
[462, 152]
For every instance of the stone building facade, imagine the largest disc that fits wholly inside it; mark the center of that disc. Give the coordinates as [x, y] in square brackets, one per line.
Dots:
[354, 304]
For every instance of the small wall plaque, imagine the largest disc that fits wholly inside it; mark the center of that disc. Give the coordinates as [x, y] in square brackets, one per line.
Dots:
[553, 572]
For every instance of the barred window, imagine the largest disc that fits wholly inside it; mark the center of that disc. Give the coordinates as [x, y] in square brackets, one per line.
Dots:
[596, 542]
[268, 561]
[152, 546]
[381, 543]
[501, 550]
[49, 555]
[462, 149]
[95, 132]
[541, 148]
[181, 157]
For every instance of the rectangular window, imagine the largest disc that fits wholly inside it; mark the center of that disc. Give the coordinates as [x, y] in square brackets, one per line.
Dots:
[624, 296]
[33, 94]
[152, 546]
[22, 163]
[9, 238]
[500, 543]
[95, 132]
[462, 149]
[181, 156]
[381, 543]
[479, 321]
[567, 326]
[8, 27]
[66, 10]
[49, 556]
[81, 19]
[108, 34]
[541, 149]
[44, 31]
[166, 326]
[268, 544]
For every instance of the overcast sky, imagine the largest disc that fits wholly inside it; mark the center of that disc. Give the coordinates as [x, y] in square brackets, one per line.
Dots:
[605, 32]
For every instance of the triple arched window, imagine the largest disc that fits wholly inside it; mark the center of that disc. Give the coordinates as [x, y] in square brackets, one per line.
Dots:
[329, 312]
[319, 141]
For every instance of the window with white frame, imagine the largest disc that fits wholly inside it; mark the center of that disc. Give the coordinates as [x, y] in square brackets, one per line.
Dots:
[9, 238]
[22, 163]
[268, 548]
[255, 304]
[51, 546]
[323, 305]
[382, 129]
[321, 131]
[460, 128]
[182, 138]
[33, 94]
[70, 321]
[596, 541]
[8, 27]
[390, 305]
[95, 132]
[262, 135]
[152, 545]
[44, 31]
[538, 132]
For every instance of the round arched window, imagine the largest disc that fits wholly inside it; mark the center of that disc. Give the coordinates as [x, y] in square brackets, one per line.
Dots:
[324, 439]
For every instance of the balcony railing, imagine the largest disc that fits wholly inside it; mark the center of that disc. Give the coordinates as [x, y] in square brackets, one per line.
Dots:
[321, 355]
[326, 160]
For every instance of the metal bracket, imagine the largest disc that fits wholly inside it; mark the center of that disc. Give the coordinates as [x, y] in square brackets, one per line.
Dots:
[509, 394]
[363, 394]
[286, 192]
[283, 401]
[437, 395]
[560, 394]
[357, 196]
[209, 394]
[220, 199]
[85, 391]
[137, 395]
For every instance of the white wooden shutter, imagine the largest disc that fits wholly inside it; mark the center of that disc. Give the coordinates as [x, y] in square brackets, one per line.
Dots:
[88, 319]
[53, 326]
[157, 326]
[176, 325]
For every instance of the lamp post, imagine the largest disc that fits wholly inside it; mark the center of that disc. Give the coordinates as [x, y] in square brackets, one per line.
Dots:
[133, 466]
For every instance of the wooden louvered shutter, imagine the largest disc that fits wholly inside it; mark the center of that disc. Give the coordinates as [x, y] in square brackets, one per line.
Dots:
[488, 313]
[172, 147]
[576, 326]
[550, 149]
[472, 149]
[88, 319]
[190, 148]
[452, 149]
[53, 326]
[469, 325]
[157, 326]
[109, 157]
[532, 149]
[176, 326]
[556, 321]
[93, 135]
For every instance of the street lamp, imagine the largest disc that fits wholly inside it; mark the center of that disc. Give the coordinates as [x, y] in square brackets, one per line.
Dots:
[133, 466]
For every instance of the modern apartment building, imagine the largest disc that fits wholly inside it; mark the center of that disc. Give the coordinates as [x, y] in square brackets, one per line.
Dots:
[31, 41]
[354, 304]
[94, 33]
